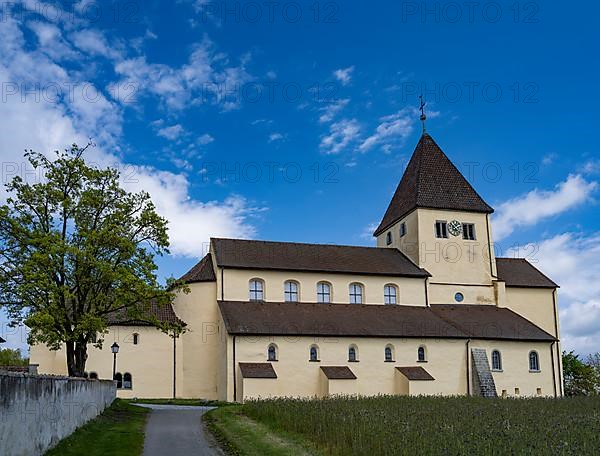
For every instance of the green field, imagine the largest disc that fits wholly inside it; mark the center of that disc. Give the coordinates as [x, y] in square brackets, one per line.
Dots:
[425, 425]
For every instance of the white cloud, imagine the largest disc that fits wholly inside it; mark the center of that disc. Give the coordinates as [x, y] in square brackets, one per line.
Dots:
[393, 128]
[48, 124]
[548, 159]
[94, 42]
[171, 133]
[273, 137]
[207, 77]
[330, 110]
[573, 261]
[344, 75]
[341, 135]
[592, 167]
[205, 139]
[537, 205]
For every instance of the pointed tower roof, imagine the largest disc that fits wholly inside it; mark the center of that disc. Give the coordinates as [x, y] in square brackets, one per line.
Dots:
[432, 181]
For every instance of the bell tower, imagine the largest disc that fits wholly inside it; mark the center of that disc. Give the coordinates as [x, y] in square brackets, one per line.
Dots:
[439, 221]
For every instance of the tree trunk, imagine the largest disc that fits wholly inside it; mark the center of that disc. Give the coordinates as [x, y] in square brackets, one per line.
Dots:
[76, 357]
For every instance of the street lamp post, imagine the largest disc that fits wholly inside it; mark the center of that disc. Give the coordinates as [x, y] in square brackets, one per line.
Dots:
[115, 349]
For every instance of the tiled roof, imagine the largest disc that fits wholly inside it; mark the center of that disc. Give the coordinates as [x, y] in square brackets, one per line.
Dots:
[257, 370]
[291, 256]
[338, 320]
[202, 272]
[432, 181]
[518, 272]
[489, 322]
[164, 314]
[415, 373]
[338, 373]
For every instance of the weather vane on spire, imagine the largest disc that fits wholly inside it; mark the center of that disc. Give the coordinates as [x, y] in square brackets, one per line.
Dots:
[422, 108]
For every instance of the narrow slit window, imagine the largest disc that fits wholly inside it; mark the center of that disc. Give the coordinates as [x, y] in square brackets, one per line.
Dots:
[402, 229]
[388, 238]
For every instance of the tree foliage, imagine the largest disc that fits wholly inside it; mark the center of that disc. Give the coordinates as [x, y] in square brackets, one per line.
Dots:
[580, 378]
[12, 357]
[76, 248]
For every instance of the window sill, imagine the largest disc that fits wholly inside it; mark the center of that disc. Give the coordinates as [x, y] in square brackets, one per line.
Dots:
[314, 360]
[389, 361]
[272, 360]
[497, 370]
[424, 361]
[534, 371]
[355, 361]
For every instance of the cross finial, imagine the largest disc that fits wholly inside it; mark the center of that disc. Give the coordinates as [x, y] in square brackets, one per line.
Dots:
[422, 108]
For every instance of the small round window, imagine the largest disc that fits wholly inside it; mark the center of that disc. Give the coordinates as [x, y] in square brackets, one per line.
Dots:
[459, 297]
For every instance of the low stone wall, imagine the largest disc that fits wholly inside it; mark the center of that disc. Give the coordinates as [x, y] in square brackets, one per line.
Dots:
[37, 411]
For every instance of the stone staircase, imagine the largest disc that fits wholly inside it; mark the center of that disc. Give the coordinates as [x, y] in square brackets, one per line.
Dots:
[483, 382]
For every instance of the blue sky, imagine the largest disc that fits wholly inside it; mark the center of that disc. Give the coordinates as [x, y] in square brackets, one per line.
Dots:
[294, 121]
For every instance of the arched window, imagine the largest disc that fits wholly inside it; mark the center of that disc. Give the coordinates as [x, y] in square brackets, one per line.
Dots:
[352, 354]
[257, 288]
[314, 353]
[323, 292]
[534, 361]
[421, 354]
[272, 352]
[356, 293]
[127, 381]
[496, 361]
[136, 338]
[389, 353]
[93, 375]
[290, 289]
[119, 379]
[390, 294]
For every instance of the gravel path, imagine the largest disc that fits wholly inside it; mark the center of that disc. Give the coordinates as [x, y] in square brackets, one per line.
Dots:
[177, 430]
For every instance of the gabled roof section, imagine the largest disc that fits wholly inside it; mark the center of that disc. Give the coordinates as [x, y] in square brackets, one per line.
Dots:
[432, 181]
[480, 321]
[202, 272]
[442, 321]
[292, 256]
[518, 272]
[257, 370]
[162, 313]
[414, 373]
[338, 373]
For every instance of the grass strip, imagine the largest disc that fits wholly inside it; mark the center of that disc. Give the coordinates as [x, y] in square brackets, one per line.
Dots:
[119, 430]
[242, 436]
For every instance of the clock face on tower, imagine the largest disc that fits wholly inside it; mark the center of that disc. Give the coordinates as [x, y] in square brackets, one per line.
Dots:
[455, 228]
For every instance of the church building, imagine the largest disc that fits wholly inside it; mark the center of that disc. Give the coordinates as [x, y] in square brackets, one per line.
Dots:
[429, 311]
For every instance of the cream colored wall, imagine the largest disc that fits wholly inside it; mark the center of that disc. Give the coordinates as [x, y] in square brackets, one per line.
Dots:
[444, 294]
[408, 243]
[515, 367]
[411, 291]
[201, 341]
[297, 376]
[454, 260]
[150, 362]
[534, 304]
[451, 260]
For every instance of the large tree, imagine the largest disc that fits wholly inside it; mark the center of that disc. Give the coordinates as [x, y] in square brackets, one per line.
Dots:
[581, 379]
[76, 249]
